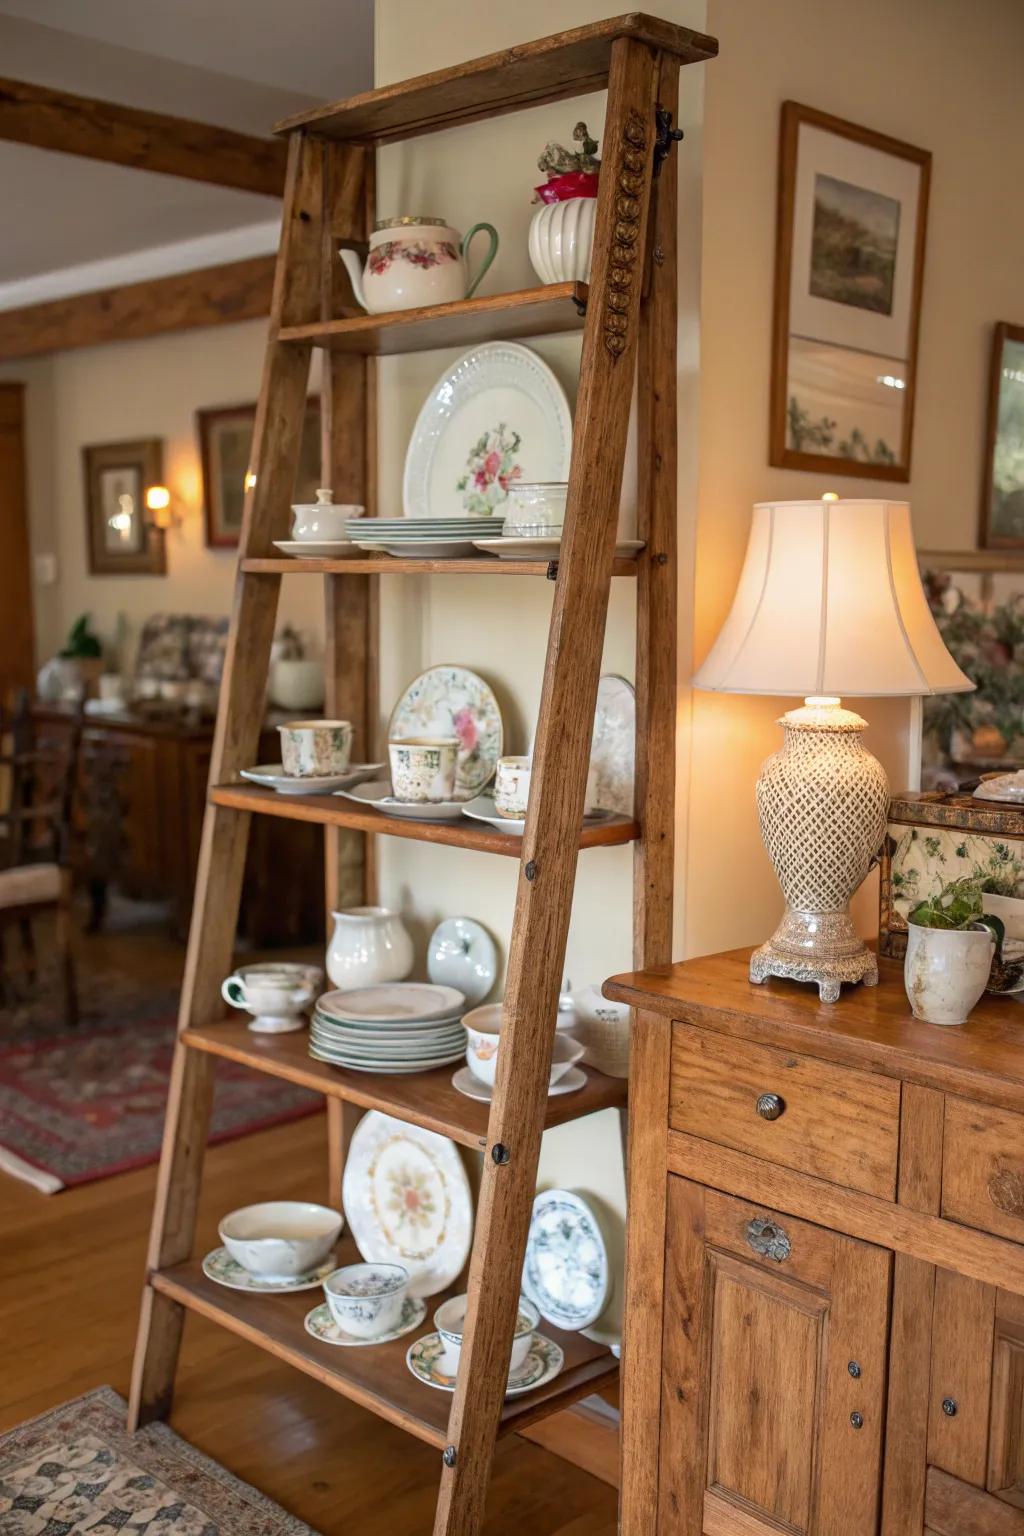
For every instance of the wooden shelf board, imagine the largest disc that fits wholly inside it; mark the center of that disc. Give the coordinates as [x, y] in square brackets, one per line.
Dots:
[336, 811]
[377, 1376]
[571, 63]
[549, 310]
[422, 1098]
[395, 565]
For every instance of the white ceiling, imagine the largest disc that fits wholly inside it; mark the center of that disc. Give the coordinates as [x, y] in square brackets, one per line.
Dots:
[238, 63]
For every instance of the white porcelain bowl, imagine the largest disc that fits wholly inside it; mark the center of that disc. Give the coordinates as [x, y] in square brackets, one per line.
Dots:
[483, 1034]
[366, 1299]
[450, 1322]
[281, 1238]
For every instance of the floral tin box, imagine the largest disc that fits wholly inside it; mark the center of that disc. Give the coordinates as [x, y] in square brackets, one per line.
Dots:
[935, 838]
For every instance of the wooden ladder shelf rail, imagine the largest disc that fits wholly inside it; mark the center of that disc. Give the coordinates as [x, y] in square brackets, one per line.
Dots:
[630, 325]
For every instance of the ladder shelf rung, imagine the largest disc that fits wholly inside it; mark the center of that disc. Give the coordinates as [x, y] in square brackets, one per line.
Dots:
[396, 565]
[550, 310]
[427, 1099]
[378, 1377]
[337, 811]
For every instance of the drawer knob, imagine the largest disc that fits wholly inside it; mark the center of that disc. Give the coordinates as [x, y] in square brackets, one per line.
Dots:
[770, 1106]
[768, 1239]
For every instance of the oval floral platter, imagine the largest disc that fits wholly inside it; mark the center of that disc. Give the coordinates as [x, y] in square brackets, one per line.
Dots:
[453, 701]
[497, 415]
[407, 1201]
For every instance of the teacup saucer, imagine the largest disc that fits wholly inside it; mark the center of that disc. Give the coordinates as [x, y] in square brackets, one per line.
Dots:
[322, 1326]
[473, 1088]
[273, 776]
[378, 794]
[220, 1266]
[318, 549]
[541, 1365]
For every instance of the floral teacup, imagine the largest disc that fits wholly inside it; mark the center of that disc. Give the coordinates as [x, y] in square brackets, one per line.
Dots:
[423, 768]
[310, 748]
[365, 1300]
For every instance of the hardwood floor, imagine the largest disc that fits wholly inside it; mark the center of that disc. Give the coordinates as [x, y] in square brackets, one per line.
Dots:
[71, 1268]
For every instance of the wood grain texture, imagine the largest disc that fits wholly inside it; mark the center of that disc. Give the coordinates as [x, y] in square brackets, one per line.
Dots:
[837, 1123]
[551, 310]
[1006, 1429]
[977, 1255]
[910, 1337]
[571, 63]
[222, 295]
[582, 1435]
[872, 1028]
[983, 1168]
[963, 1323]
[686, 1354]
[146, 141]
[954, 1508]
[400, 565]
[550, 841]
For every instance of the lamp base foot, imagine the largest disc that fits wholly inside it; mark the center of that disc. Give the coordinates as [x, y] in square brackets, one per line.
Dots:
[822, 948]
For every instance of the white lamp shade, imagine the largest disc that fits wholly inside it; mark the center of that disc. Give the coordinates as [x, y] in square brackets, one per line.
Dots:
[830, 601]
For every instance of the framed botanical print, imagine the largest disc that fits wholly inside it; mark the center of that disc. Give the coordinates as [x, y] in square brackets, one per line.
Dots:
[849, 263]
[225, 449]
[1002, 492]
[121, 542]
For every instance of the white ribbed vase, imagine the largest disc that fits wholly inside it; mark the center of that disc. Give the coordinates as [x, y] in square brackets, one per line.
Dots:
[822, 802]
[562, 240]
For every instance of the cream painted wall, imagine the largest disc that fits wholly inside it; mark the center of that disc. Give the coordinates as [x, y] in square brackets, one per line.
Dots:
[942, 74]
[115, 393]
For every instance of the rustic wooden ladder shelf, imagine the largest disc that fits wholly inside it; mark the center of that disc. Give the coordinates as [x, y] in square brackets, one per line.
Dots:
[627, 318]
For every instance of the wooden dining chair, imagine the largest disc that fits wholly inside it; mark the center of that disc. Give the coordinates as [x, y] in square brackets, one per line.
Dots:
[38, 774]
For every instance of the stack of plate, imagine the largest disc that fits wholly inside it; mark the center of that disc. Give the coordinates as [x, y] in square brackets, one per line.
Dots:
[395, 1027]
[430, 538]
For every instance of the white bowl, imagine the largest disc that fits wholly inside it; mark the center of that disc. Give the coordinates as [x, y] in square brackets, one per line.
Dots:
[366, 1299]
[483, 1033]
[450, 1322]
[281, 1238]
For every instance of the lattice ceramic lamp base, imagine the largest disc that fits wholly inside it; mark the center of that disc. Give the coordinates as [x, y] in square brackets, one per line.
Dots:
[822, 803]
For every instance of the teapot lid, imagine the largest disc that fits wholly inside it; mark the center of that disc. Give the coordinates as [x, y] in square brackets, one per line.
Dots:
[407, 219]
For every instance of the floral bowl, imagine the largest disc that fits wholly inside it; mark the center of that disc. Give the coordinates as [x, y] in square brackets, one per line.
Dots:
[281, 1239]
[366, 1299]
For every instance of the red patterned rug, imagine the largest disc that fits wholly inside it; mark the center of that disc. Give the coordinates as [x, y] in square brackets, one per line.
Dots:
[82, 1104]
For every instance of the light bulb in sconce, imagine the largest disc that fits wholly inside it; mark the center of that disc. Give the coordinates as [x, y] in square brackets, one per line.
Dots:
[830, 496]
[250, 480]
[158, 505]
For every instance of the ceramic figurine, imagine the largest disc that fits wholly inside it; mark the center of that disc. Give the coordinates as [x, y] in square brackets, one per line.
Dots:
[562, 229]
[415, 261]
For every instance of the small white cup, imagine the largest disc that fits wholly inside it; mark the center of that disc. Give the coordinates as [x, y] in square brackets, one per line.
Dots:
[512, 786]
[323, 522]
[310, 748]
[536, 509]
[365, 1300]
[423, 768]
[450, 1322]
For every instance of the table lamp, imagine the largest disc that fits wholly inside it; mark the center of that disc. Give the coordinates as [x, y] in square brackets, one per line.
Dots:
[829, 602]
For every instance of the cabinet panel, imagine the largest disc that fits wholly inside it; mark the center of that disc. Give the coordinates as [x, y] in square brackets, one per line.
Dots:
[962, 1322]
[774, 1361]
[983, 1168]
[1006, 1442]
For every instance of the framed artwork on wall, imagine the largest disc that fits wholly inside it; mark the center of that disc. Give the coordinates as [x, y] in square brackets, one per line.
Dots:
[225, 449]
[849, 264]
[1002, 492]
[120, 540]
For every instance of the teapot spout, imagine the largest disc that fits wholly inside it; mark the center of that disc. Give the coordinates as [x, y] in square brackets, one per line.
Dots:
[354, 267]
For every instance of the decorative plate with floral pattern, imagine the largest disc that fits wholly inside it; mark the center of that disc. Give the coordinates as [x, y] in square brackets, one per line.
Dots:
[497, 415]
[407, 1201]
[565, 1272]
[453, 701]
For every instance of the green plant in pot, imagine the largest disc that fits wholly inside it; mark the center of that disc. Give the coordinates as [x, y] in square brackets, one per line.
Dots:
[83, 654]
[951, 946]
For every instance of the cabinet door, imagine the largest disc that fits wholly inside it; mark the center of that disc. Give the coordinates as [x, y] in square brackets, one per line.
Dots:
[774, 1373]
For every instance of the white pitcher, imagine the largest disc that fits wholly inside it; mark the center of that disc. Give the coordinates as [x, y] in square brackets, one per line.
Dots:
[415, 261]
[369, 945]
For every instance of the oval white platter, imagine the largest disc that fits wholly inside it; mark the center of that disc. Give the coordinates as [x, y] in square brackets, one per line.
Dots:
[407, 1201]
[566, 1272]
[497, 414]
[378, 795]
[453, 701]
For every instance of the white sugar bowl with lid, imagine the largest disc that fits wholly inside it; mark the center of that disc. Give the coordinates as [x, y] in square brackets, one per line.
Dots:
[415, 260]
[324, 520]
[536, 509]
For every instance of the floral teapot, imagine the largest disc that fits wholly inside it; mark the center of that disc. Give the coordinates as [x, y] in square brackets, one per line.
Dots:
[415, 261]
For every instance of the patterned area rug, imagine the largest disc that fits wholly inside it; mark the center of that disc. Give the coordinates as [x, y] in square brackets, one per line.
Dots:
[82, 1104]
[76, 1470]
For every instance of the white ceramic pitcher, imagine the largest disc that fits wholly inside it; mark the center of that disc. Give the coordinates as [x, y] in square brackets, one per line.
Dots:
[415, 261]
[369, 945]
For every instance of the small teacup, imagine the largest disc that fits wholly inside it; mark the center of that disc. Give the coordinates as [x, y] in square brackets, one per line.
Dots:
[275, 994]
[423, 768]
[536, 509]
[450, 1322]
[512, 786]
[365, 1300]
[313, 747]
[323, 522]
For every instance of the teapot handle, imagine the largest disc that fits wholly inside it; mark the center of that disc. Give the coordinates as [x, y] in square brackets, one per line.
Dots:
[487, 259]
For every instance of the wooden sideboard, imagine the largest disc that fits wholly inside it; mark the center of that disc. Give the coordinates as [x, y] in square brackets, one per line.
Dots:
[825, 1262]
[138, 818]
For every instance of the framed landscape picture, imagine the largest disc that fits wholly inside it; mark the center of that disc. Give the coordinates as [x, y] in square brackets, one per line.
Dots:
[852, 214]
[225, 449]
[120, 540]
[1002, 493]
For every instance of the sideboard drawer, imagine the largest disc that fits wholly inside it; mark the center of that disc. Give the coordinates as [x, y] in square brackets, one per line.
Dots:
[836, 1122]
[983, 1168]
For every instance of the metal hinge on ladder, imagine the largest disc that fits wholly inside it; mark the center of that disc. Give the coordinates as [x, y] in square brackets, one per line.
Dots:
[665, 136]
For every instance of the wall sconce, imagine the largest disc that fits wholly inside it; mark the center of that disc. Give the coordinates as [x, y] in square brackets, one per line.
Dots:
[163, 511]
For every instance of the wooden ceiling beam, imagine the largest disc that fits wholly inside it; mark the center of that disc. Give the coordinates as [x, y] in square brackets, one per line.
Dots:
[238, 290]
[146, 141]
